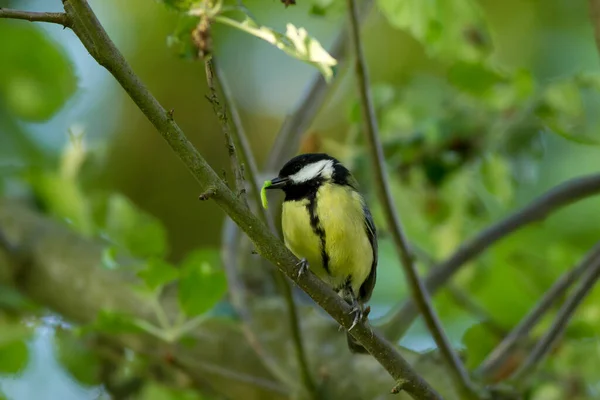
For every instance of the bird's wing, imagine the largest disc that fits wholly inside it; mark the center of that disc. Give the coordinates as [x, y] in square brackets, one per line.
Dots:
[366, 288]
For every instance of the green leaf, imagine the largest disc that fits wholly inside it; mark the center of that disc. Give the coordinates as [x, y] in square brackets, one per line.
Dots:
[180, 40]
[13, 332]
[473, 78]
[497, 177]
[322, 8]
[158, 273]
[296, 42]
[113, 323]
[562, 109]
[60, 191]
[109, 257]
[36, 77]
[13, 357]
[156, 391]
[451, 29]
[140, 233]
[77, 358]
[479, 342]
[181, 5]
[202, 282]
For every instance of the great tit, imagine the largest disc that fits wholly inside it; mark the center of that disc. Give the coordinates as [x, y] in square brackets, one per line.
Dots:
[328, 226]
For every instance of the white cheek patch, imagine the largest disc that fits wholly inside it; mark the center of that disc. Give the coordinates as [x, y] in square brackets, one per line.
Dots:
[323, 168]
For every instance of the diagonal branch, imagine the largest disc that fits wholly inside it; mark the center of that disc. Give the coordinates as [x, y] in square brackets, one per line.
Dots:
[283, 285]
[499, 355]
[419, 291]
[549, 340]
[31, 16]
[95, 39]
[553, 200]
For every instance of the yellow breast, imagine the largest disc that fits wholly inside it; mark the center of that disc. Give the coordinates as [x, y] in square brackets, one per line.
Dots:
[339, 210]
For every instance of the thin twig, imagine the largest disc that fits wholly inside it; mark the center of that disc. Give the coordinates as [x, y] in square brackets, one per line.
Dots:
[31, 16]
[466, 303]
[461, 299]
[503, 350]
[221, 113]
[553, 200]
[288, 138]
[280, 280]
[97, 42]
[419, 292]
[548, 342]
[234, 138]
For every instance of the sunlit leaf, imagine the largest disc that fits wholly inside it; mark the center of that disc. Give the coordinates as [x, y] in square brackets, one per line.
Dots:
[158, 273]
[36, 77]
[77, 358]
[202, 282]
[296, 42]
[140, 233]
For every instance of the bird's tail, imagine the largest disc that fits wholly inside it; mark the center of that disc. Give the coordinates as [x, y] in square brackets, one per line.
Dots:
[354, 346]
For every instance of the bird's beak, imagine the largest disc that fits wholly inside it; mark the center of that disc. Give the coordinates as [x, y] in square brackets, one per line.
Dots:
[278, 183]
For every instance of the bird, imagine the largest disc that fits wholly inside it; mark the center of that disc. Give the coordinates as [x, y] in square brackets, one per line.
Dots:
[327, 225]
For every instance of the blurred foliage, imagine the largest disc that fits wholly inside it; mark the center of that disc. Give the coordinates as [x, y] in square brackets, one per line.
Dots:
[33, 84]
[478, 115]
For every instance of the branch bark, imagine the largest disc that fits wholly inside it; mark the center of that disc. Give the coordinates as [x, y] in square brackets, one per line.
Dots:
[418, 289]
[280, 280]
[221, 113]
[31, 16]
[553, 200]
[499, 355]
[95, 39]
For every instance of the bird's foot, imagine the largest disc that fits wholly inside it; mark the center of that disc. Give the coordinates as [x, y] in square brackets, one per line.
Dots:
[358, 315]
[302, 267]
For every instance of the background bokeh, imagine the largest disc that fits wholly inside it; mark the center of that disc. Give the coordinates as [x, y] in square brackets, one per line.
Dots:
[483, 106]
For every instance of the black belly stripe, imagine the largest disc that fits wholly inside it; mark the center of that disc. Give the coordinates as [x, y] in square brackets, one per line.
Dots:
[315, 223]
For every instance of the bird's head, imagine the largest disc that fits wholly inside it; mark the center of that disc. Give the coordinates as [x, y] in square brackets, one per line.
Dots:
[304, 174]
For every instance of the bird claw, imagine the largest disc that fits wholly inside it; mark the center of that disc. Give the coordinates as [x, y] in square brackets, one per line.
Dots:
[302, 267]
[358, 316]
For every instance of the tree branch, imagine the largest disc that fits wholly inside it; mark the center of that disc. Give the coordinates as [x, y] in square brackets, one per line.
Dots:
[31, 16]
[419, 292]
[555, 332]
[221, 113]
[62, 271]
[279, 278]
[95, 39]
[499, 355]
[556, 198]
